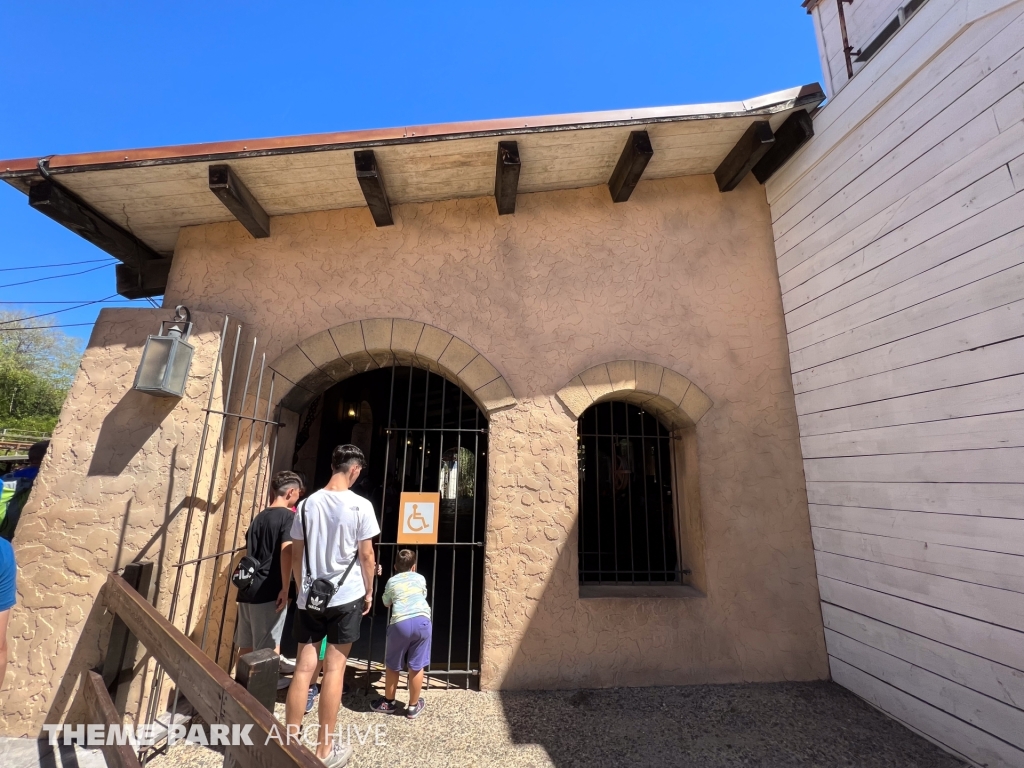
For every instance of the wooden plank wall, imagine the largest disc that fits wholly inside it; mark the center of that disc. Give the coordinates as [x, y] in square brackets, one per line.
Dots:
[864, 19]
[899, 232]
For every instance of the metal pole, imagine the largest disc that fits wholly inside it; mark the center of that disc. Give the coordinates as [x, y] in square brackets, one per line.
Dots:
[437, 513]
[615, 492]
[198, 473]
[647, 505]
[213, 485]
[661, 503]
[227, 492]
[241, 501]
[455, 538]
[847, 48]
[629, 493]
[597, 489]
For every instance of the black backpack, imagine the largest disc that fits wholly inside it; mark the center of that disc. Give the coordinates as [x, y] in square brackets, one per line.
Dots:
[250, 573]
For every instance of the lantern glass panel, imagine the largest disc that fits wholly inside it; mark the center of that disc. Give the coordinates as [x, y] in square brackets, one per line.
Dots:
[153, 366]
[176, 377]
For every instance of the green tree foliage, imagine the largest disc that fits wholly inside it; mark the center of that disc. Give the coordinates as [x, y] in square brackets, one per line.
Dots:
[37, 366]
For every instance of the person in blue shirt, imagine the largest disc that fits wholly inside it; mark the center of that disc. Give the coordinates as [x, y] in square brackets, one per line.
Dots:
[8, 594]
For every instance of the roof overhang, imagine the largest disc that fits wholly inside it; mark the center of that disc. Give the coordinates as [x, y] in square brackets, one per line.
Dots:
[152, 193]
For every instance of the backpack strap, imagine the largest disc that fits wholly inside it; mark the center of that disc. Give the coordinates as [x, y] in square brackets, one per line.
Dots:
[305, 542]
[305, 550]
[349, 569]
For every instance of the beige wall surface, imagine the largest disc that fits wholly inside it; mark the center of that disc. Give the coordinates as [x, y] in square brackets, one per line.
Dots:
[682, 276]
[898, 230]
[112, 489]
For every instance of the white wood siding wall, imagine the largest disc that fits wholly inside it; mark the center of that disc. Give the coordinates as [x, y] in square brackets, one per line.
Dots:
[864, 19]
[899, 232]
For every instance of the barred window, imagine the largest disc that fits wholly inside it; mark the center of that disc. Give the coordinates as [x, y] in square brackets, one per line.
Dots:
[627, 514]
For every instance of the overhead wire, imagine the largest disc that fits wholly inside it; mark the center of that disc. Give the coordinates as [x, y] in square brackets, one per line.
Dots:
[56, 311]
[46, 328]
[68, 301]
[63, 264]
[54, 277]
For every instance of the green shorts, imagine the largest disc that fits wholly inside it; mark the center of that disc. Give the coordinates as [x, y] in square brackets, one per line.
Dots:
[323, 648]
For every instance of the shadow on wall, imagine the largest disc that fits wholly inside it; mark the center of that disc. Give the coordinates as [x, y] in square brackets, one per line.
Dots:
[90, 651]
[596, 643]
[130, 423]
[87, 654]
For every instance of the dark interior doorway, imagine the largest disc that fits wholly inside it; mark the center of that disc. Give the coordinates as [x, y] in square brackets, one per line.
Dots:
[420, 433]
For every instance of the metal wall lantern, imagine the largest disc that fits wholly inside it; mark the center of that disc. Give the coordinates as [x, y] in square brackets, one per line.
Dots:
[166, 358]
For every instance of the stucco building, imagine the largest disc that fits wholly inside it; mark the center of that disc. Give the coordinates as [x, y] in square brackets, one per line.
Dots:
[484, 341]
[713, 393]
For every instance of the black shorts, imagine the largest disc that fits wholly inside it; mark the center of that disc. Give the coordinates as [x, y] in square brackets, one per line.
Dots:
[340, 624]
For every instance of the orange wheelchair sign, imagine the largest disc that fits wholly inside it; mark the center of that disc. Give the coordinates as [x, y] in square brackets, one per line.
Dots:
[418, 521]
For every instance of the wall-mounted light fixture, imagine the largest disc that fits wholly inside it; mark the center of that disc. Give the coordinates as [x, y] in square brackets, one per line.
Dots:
[163, 370]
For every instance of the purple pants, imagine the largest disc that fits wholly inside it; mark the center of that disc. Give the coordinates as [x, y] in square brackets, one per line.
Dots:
[409, 643]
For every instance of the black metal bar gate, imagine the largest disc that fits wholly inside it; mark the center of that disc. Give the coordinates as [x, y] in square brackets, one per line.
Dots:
[420, 433]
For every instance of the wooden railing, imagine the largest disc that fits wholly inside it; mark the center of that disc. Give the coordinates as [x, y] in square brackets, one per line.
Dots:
[209, 689]
[101, 710]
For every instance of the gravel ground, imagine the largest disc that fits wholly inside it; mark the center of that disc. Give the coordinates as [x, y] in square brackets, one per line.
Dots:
[711, 726]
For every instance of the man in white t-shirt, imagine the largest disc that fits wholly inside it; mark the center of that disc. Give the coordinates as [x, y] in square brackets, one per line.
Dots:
[339, 527]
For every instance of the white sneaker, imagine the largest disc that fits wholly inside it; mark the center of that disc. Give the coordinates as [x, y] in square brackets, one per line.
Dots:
[339, 756]
[286, 666]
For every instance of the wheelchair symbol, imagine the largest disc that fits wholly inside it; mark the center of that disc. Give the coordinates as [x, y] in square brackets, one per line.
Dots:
[416, 521]
[420, 522]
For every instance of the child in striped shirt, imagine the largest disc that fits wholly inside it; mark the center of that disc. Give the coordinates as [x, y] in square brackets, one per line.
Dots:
[408, 635]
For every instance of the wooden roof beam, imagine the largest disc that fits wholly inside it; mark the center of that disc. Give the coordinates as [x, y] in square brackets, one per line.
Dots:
[144, 271]
[147, 280]
[634, 159]
[237, 198]
[752, 146]
[506, 177]
[372, 184]
[796, 131]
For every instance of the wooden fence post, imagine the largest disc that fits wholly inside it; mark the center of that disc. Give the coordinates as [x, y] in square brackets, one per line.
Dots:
[121, 648]
[258, 673]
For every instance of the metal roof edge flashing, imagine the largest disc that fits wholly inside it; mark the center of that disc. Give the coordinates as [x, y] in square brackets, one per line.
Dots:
[802, 96]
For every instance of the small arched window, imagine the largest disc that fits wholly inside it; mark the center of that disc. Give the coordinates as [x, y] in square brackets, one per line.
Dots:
[627, 509]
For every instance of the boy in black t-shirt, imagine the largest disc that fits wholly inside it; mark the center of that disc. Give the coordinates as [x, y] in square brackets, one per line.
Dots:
[261, 617]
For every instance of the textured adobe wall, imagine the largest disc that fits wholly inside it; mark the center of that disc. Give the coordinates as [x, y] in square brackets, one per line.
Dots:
[681, 276]
[118, 472]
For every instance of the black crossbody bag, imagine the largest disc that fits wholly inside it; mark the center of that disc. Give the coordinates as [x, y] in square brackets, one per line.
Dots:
[250, 574]
[321, 591]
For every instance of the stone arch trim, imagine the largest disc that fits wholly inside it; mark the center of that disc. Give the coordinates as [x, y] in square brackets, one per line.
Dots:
[325, 358]
[674, 398]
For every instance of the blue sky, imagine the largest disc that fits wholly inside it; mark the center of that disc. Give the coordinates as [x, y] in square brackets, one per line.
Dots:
[93, 76]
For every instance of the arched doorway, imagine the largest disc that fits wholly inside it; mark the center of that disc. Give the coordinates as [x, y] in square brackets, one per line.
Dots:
[420, 433]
